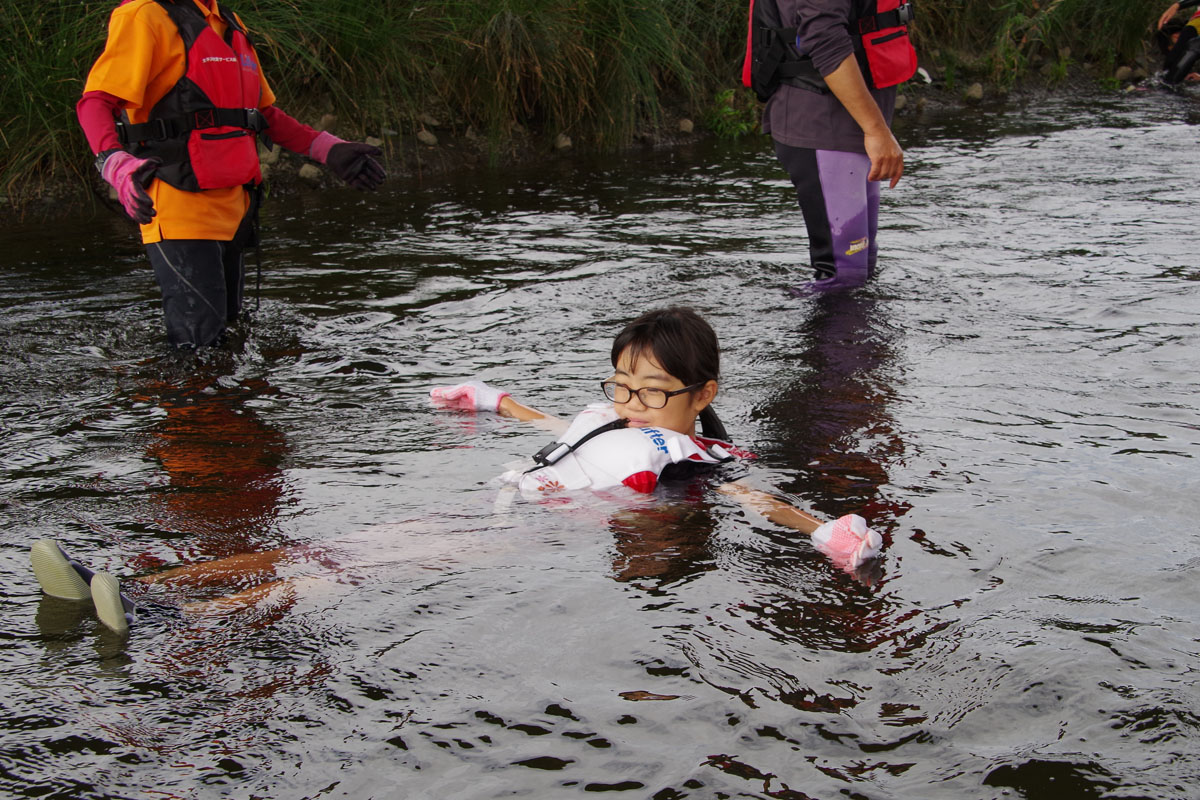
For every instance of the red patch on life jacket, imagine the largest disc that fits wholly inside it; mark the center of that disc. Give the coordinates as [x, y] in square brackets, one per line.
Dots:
[748, 61]
[643, 481]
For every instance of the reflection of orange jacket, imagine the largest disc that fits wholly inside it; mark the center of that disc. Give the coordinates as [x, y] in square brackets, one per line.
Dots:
[143, 59]
[225, 483]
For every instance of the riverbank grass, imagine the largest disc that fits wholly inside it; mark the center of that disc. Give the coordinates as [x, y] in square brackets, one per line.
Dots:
[598, 71]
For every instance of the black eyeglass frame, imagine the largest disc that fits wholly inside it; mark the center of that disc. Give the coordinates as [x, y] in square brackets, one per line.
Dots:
[609, 388]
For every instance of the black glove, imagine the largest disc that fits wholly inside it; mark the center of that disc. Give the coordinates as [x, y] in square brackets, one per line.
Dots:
[353, 162]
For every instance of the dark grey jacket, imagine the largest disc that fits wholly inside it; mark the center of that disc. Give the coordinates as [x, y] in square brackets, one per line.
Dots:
[802, 118]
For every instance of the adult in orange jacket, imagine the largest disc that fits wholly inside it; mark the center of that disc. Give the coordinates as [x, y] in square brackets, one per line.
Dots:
[173, 108]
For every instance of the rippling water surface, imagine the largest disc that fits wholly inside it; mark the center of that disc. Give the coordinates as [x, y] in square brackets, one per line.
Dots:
[1012, 401]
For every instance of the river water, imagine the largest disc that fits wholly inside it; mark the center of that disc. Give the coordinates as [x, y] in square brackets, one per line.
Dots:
[1012, 403]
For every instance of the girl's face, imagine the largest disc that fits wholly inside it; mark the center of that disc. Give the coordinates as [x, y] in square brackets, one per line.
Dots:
[680, 412]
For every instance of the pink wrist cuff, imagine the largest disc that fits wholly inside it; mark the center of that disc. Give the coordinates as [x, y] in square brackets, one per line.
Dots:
[319, 149]
[114, 163]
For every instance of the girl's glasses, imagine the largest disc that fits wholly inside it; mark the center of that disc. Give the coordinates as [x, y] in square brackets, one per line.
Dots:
[649, 397]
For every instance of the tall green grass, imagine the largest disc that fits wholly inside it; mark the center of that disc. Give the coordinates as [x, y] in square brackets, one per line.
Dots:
[41, 48]
[596, 69]
[1003, 38]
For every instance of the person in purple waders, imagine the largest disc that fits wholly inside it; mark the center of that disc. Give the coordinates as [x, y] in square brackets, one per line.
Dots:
[832, 131]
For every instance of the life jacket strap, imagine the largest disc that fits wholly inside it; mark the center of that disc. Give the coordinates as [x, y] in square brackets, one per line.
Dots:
[901, 15]
[164, 128]
[557, 451]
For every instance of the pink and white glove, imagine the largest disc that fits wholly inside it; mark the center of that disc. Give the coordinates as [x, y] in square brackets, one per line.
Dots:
[847, 541]
[469, 396]
[129, 175]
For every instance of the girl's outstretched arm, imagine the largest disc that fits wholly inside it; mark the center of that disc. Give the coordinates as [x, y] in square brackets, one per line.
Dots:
[479, 396]
[847, 540]
[511, 408]
[773, 508]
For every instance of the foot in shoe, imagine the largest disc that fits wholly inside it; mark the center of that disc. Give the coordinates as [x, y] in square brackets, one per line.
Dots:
[110, 605]
[57, 574]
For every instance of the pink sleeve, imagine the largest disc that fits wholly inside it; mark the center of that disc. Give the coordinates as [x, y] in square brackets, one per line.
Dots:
[287, 132]
[98, 112]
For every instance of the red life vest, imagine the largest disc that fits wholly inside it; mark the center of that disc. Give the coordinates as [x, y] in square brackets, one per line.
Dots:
[878, 27]
[204, 128]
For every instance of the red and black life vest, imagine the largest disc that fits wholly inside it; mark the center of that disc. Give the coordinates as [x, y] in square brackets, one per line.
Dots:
[880, 32]
[204, 128]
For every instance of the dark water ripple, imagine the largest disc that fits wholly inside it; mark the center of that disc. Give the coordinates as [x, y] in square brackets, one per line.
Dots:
[1012, 403]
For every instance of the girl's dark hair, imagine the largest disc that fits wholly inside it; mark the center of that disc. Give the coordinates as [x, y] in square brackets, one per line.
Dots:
[681, 341]
[683, 344]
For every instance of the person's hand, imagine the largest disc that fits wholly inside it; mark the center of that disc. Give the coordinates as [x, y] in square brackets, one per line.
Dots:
[130, 176]
[469, 396]
[847, 541]
[354, 162]
[887, 159]
[1167, 15]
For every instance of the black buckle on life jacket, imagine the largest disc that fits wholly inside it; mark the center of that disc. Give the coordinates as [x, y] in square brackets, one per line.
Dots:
[255, 121]
[551, 453]
[900, 15]
[154, 130]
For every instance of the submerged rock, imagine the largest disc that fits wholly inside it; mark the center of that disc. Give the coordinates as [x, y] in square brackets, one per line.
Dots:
[311, 173]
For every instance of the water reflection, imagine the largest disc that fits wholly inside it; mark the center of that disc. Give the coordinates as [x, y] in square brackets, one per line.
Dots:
[664, 544]
[1006, 374]
[222, 464]
[829, 419]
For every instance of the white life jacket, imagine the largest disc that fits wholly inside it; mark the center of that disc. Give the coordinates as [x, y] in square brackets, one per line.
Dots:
[619, 456]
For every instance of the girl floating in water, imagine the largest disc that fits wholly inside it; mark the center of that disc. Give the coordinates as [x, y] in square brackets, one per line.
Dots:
[666, 367]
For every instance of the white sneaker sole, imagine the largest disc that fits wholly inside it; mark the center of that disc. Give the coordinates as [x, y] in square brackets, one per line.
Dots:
[55, 574]
[106, 593]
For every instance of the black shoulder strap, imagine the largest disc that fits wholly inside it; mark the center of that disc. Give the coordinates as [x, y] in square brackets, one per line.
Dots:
[232, 24]
[556, 451]
[187, 19]
[775, 59]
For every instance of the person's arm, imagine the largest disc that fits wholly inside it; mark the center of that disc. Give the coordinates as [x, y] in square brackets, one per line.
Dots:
[1174, 9]
[1168, 15]
[479, 396]
[511, 408]
[847, 540]
[97, 113]
[887, 159]
[127, 174]
[353, 162]
[773, 508]
[823, 31]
